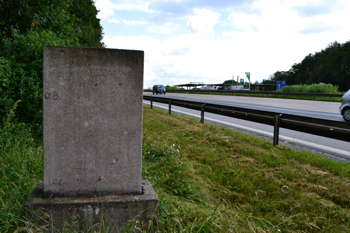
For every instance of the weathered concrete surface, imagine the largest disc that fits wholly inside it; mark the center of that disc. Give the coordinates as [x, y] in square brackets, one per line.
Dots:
[92, 108]
[80, 213]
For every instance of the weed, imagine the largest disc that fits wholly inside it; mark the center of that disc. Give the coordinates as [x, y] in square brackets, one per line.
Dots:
[244, 184]
[208, 179]
[268, 95]
[313, 88]
[21, 168]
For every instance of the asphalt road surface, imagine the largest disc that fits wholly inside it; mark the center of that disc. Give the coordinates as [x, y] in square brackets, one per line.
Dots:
[329, 148]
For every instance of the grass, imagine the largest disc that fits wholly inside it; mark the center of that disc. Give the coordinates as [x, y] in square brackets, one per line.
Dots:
[268, 95]
[313, 88]
[21, 169]
[213, 179]
[209, 179]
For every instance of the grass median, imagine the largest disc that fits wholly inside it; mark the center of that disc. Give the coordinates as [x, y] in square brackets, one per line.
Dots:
[266, 95]
[213, 179]
[209, 179]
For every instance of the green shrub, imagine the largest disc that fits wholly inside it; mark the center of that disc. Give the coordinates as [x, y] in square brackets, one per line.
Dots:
[25, 26]
[21, 169]
[21, 67]
[314, 88]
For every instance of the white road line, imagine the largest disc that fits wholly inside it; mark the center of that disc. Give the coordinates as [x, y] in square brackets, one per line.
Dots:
[330, 150]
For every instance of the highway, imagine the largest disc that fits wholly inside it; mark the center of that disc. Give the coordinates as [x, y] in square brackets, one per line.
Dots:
[329, 148]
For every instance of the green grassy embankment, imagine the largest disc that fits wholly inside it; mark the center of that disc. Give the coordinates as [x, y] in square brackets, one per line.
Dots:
[214, 179]
[314, 88]
[209, 179]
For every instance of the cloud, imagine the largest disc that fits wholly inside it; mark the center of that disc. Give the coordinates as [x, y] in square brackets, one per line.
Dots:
[203, 21]
[107, 7]
[260, 36]
[165, 28]
[188, 58]
[243, 22]
[318, 27]
[184, 7]
[310, 10]
[191, 57]
[114, 21]
[174, 8]
[313, 8]
[179, 51]
[134, 22]
[167, 10]
[266, 17]
[315, 17]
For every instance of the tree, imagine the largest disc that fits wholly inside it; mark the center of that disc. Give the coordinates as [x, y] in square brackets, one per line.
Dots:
[229, 82]
[331, 65]
[27, 25]
[21, 72]
[277, 76]
[89, 25]
[71, 18]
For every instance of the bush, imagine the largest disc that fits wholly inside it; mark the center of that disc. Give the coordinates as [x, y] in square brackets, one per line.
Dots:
[21, 68]
[21, 169]
[314, 88]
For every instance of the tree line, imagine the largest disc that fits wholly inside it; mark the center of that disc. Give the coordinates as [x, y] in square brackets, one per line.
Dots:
[27, 25]
[331, 65]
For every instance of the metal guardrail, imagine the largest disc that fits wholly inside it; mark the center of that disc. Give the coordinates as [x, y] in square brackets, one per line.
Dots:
[257, 93]
[316, 125]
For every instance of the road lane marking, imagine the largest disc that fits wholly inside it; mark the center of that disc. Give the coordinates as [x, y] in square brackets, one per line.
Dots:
[330, 150]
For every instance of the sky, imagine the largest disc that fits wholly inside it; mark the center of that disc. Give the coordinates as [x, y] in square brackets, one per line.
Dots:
[212, 41]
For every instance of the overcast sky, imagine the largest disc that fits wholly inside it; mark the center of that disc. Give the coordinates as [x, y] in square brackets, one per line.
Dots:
[211, 41]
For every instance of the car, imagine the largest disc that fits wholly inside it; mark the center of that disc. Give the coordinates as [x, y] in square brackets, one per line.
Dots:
[345, 106]
[159, 89]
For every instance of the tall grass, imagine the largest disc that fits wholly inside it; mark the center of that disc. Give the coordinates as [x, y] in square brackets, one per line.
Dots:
[270, 95]
[21, 168]
[209, 179]
[213, 179]
[313, 88]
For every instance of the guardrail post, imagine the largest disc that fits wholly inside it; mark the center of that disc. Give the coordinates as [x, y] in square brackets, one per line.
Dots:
[202, 113]
[276, 129]
[169, 106]
[151, 103]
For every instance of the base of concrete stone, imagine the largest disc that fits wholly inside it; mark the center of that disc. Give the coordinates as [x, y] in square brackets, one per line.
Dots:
[114, 213]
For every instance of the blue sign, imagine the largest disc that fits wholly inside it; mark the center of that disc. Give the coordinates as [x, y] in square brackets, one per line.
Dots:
[280, 84]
